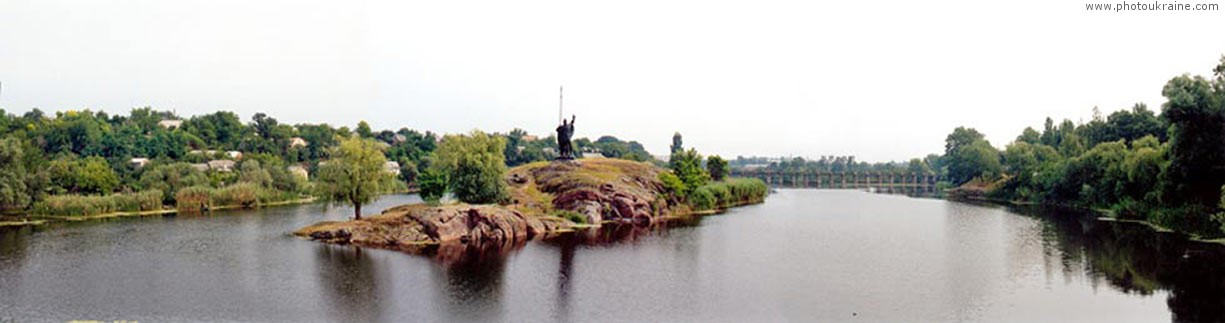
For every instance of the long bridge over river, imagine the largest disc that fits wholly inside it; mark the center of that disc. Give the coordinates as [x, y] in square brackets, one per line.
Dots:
[885, 182]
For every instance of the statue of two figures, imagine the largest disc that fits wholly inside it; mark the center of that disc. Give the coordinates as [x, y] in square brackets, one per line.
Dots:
[565, 132]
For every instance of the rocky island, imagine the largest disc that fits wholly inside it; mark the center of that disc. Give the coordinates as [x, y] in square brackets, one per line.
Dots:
[546, 198]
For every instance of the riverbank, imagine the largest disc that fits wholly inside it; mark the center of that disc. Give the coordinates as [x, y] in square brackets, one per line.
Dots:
[46, 219]
[978, 194]
[546, 198]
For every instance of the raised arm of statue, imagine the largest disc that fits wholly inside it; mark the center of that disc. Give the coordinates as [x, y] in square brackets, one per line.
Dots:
[571, 119]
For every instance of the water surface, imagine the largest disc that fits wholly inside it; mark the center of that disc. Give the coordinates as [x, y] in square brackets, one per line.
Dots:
[804, 255]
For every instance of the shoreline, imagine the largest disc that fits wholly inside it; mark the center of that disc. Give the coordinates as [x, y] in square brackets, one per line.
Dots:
[46, 219]
[1102, 215]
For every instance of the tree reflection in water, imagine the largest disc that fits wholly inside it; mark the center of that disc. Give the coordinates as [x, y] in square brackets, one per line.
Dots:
[1134, 258]
[348, 279]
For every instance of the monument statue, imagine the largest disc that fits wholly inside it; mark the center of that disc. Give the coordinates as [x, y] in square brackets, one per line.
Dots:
[565, 150]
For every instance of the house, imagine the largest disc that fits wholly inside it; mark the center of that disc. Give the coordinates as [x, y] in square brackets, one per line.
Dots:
[392, 167]
[299, 171]
[400, 138]
[221, 165]
[529, 138]
[170, 124]
[234, 154]
[138, 162]
[200, 167]
[297, 142]
[592, 155]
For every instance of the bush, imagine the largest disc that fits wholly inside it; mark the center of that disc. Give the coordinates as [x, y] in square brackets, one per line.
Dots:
[241, 194]
[194, 199]
[732, 192]
[433, 185]
[702, 199]
[85, 205]
[571, 216]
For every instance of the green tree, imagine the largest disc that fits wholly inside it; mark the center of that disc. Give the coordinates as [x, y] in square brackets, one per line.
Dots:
[14, 194]
[170, 178]
[354, 174]
[687, 165]
[968, 155]
[363, 130]
[717, 167]
[474, 165]
[1197, 141]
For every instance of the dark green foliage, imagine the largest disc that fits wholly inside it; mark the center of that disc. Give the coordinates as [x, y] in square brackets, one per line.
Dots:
[14, 194]
[170, 178]
[433, 185]
[717, 167]
[969, 155]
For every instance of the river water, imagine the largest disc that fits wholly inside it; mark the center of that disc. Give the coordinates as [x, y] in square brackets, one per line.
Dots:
[804, 255]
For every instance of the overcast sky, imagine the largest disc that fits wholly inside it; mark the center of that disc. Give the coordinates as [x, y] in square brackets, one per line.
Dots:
[881, 80]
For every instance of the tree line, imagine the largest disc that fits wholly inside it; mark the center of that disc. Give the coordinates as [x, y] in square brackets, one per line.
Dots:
[1167, 168]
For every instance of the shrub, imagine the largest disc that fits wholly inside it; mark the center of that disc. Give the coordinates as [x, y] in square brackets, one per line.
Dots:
[194, 198]
[571, 216]
[702, 199]
[241, 194]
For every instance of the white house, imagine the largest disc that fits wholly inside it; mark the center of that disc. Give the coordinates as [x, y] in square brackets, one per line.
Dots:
[392, 167]
[170, 124]
[297, 142]
[138, 162]
[221, 165]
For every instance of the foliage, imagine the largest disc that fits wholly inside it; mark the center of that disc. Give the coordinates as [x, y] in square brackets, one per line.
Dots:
[169, 178]
[732, 192]
[969, 155]
[433, 185]
[570, 216]
[687, 165]
[85, 205]
[717, 167]
[673, 185]
[194, 198]
[353, 175]
[91, 175]
[13, 190]
[474, 165]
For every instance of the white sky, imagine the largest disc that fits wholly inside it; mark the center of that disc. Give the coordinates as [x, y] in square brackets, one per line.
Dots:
[882, 80]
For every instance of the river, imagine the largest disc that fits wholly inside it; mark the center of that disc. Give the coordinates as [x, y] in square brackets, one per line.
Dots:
[804, 255]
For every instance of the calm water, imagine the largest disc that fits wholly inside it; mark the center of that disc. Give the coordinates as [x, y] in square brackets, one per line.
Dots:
[804, 255]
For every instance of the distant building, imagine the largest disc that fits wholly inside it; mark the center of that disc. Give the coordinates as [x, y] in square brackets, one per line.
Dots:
[200, 167]
[392, 167]
[221, 165]
[400, 138]
[299, 171]
[234, 154]
[529, 138]
[138, 162]
[592, 155]
[170, 124]
[297, 142]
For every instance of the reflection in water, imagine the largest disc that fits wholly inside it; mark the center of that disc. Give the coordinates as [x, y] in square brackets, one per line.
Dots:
[348, 280]
[1135, 259]
[803, 256]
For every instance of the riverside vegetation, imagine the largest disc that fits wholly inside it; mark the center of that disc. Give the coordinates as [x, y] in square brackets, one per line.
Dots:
[1165, 169]
[80, 163]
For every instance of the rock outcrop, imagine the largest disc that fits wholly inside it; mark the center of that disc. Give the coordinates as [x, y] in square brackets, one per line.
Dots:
[597, 189]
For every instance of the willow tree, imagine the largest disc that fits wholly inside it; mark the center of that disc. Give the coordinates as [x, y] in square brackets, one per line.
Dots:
[354, 174]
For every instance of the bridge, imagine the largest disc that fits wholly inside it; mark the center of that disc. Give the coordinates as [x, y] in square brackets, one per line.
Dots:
[885, 182]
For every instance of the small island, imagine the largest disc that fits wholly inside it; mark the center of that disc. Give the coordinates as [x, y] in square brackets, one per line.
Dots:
[501, 207]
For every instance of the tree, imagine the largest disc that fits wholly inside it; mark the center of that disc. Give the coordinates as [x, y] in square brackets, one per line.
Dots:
[968, 155]
[363, 130]
[1197, 141]
[91, 175]
[13, 191]
[687, 165]
[170, 178]
[474, 165]
[354, 174]
[717, 167]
